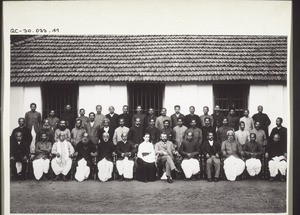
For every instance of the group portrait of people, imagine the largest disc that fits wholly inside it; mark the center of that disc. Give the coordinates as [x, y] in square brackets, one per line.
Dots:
[147, 147]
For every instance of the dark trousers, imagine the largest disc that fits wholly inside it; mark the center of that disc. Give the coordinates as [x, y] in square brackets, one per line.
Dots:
[145, 171]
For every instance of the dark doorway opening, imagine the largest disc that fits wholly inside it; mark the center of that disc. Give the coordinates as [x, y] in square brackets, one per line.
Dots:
[147, 95]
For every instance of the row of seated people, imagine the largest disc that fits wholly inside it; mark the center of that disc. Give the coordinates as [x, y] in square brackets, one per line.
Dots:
[230, 153]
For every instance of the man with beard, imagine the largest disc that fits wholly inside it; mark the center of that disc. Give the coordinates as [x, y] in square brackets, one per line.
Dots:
[99, 117]
[45, 128]
[263, 119]
[159, 123]
[206, 128]
[205, 115]
[189, 151]
[179, 131]
[77, 132]
[119, 131]
[106, 128]
[150, 116]
[113, 118]
[126, 116]
[253, 152]
[26, 132]
[197, 133]
[222, 131]
[212, 152]
[176, 115]
[165, 150]
[69, 117]
[233, 120]
[280, 130]
[62, 130]
[136, 133]
[261, 137]
[168, 130]
[53, 120]
[242, 135]
[141, 116]
[41, 159]
[104, 152]
[33, 118]
[232, 152]
[19, 154]
[153, 132]
[62, 163]
[125, 153]
[84, 151]
[84, 119]
[218, 118]
[249, 123]
[192, 116]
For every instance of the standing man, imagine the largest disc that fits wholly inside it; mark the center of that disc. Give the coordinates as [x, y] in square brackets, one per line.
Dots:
[263, 119]
[159, 123]
[153, 132]
[205, 115]
[218, 118]
[113, 118]
[99, 117]
[33, 118]
[77, 132]
[242, 135]
[207, 128]
[189, 151]
[176, 115]
[253, 152]
[84, 119]
[232, 152]
[46, 128]
[279, 129]
[19, 154]
[26, 132]
[165, 150]
[233, 120]
[192, 116]
[92, 129]
[277, 153]
[119, 131]
[150, 116]
[62, 129]
[179, 131]
[126, 116]
[105, 129]
[212, 152]
[248, 121]
[69, 117]
[53, 120]
[168, 130]
[197, 133]
[136, 133]
[260, 134]
[141, 116]
[222, 131]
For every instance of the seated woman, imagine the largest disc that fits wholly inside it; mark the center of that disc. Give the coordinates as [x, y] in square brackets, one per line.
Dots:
[146, 169]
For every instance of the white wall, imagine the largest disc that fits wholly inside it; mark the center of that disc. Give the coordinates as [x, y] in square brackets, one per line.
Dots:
[104, 94]
[20, 99]
[273, 98]
[187, 95]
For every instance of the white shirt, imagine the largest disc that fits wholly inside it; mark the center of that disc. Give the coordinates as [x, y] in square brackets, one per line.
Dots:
[146, 148]
[211, 142]
[106, 129]
[92, 123]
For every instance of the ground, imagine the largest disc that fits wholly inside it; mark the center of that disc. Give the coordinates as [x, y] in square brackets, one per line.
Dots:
[247, 196]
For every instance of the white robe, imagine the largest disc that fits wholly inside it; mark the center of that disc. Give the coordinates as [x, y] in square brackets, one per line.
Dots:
[253, 166]
[40, 166]
[277, 163]
[233, 167]
[125, 167]
[190, 167]
[105, 169]
[82, 170]
[63, 164]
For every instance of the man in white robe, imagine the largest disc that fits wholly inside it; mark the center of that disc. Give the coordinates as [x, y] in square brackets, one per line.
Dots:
[62, 163]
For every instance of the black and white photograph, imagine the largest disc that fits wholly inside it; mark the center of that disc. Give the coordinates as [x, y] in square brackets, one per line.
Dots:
[165, 120]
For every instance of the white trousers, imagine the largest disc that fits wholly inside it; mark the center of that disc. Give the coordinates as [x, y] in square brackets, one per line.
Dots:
[19, 167]
[59, 168]
[40, 166]
[125, 167]
[277, 163]
[190, 167]
[253, 166]
[233, 167]
[105, 169]
[82, 170]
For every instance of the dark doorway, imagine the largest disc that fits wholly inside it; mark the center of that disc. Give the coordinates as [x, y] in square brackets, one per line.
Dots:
[56, 96]
[231, 96]
[146, 95]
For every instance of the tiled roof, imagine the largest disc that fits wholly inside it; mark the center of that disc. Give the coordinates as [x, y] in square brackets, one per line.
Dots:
[166, 58]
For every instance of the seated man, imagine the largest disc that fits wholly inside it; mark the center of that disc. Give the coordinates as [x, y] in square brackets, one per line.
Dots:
[19, 153]
[62, 163]
[212, 151]
[277, 152]
[77, 133]
[165, 150]
[84, 151]
[189, 151]
[105, 164]
[45, 128]
[232, 152]
[41, 160]
[62, 129]
[252, 152]
[125, 153]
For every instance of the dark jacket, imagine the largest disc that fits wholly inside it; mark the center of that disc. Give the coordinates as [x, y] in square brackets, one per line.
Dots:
[114, 121]
[18, 151]
[26, 134]
[127, 119]
[123, 148]
[174, 119]
[189, 147]
[105, 150]
[211, 150]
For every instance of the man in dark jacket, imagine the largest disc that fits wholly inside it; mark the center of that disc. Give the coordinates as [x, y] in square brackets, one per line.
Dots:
[136, 133]
[263, 119]
[113, 118]
[126, 116]
[26, 132]
[69, 116]
[153, 131]
[176, 115]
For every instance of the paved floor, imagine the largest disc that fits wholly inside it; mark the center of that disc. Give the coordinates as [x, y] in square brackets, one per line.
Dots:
[248, 196]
